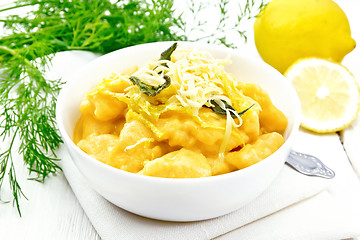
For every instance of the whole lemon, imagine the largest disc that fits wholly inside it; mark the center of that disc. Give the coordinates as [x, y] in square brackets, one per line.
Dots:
[287, 30]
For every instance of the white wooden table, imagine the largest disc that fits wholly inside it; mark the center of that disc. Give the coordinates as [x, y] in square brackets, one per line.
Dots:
[52, 210]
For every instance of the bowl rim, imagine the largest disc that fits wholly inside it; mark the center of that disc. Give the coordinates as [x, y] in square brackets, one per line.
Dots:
[70, 144]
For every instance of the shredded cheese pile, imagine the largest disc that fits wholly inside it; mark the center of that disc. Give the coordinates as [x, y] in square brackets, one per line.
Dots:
[196, 78]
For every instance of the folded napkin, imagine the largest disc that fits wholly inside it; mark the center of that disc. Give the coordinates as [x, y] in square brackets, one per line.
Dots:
[112, 222]
[315, 218]
[293, 207]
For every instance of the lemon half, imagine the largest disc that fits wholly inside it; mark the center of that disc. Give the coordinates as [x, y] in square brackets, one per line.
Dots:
[328, 92]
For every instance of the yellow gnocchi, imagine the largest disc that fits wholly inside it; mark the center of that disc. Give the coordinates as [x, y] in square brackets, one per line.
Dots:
[180, 116]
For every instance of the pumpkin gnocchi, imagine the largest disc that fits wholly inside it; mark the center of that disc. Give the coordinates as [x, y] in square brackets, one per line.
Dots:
[180, 116]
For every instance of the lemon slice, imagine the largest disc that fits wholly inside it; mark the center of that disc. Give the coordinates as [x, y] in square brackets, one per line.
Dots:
[328, 92]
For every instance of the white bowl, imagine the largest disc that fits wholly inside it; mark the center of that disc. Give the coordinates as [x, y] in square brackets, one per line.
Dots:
[177, 199]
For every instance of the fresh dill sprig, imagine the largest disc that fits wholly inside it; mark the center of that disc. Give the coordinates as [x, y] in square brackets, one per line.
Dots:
[226, 21]
[28, 102]
[27, 98]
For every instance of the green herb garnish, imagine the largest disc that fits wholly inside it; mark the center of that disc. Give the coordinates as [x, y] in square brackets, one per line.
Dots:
[148, 89]
[227, 107]
[166, 55]
[151, 90]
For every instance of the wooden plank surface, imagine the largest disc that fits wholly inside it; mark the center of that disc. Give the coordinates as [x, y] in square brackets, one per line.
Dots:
[53, 212]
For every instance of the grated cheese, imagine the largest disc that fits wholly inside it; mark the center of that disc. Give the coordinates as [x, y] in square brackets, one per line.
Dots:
[196, 78]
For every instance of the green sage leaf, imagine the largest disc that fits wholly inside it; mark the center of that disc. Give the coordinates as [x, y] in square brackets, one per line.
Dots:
[218, 109]
[148, 89]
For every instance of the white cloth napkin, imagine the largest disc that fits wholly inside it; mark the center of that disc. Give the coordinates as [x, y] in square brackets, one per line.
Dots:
[314, 218]
[293, 207]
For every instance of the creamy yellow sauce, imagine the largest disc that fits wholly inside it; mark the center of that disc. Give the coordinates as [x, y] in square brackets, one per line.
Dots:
[172, 134]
